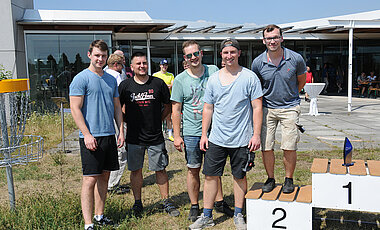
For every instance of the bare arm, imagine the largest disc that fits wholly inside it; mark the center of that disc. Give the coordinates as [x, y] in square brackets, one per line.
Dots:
[301, 81]
[119, 121]
[176, 119]
[76, 103]
[208, 110]
[167, 111]
[254, 142]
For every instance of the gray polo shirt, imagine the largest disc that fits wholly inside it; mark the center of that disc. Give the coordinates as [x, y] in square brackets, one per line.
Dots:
[280, 83]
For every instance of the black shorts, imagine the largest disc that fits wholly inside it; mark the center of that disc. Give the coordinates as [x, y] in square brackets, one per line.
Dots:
[104, 158]
[216, 157]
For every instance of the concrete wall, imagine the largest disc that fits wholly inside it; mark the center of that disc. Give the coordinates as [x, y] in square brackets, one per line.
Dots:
[12, 45]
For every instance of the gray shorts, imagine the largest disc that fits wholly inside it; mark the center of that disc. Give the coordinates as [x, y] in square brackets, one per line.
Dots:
[157, 156]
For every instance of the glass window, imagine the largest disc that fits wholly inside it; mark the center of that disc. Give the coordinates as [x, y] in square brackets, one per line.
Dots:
[53, 61]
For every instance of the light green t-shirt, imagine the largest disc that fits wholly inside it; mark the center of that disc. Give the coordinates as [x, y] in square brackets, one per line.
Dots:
[189, 91]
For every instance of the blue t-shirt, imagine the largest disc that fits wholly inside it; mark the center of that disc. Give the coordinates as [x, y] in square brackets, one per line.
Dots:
[189, 91]
[280, 83]
[98, 107]
[232, 121]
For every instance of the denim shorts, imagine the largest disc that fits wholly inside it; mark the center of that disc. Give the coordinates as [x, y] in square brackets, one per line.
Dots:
[157, 156]
[193, 154]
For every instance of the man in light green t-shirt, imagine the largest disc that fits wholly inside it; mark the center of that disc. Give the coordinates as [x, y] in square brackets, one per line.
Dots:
[187, 97]
[168, 78]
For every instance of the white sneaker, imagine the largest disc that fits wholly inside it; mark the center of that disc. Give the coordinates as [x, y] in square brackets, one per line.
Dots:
[239, 222]
[202, 222]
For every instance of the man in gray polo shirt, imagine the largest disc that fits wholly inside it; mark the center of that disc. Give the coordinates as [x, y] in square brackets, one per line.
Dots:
[283, 74]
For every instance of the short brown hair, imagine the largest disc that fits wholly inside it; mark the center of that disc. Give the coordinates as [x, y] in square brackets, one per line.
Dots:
[189, 43]
[270, 28]
[102, 45]
[114, 58]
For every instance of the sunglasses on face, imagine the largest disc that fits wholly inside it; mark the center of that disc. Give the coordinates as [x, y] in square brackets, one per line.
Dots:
[196, 54]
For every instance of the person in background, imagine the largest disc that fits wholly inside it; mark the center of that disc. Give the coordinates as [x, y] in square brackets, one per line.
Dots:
[185, 65]
[371, 78]
[309, 79]
[115, 68]
[362, 81]
[168, 78]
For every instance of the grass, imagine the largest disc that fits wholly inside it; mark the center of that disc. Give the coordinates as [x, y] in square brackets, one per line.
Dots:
[48, 191]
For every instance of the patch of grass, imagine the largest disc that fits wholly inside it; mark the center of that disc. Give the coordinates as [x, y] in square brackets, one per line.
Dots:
[48, 126]
[43, 211]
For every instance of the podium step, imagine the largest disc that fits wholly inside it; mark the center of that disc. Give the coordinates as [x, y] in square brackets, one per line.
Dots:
[276, 209]
[352, 188]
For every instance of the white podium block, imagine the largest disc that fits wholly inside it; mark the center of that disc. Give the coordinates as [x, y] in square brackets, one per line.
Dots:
[354, 188]
[276, 210]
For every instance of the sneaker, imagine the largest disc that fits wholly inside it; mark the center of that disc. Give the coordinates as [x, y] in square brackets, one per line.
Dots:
[224, 208]
[137, 210]
[193, 214]
[104, 221]
[269, 185]
[239, 222]
[89, 228]
[202, 222]
[170, 208]
[171, 138]
[119, 190]
[288, 186]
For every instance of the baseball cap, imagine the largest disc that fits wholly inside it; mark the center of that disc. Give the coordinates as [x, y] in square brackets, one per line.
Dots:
[163, 62]
[229, 42]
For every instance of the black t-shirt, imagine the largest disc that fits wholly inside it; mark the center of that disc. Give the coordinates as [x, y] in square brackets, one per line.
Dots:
[143, 108]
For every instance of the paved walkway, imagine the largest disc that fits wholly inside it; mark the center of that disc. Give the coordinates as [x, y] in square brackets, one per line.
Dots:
[324, 132]
[327, 131]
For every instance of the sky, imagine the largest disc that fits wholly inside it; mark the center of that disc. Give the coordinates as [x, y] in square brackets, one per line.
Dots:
[232, 11]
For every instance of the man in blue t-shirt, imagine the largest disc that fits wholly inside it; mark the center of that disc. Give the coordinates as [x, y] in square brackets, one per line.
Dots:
[283, 75]
[94, 103]
[233, 101]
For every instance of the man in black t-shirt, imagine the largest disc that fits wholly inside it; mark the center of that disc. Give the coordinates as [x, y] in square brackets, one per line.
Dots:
[142, 98]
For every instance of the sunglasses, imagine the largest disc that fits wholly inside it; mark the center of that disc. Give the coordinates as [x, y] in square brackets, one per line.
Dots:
[196, 54]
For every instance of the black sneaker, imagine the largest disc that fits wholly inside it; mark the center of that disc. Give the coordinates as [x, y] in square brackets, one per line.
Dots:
[170, 208]
[90, 228]
[119, 190]
[269, 185]
[137, 210]
[104, 221]
[223, 208]
[288, 186]
[194, 213]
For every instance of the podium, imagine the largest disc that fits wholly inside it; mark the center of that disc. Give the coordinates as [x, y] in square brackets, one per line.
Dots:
[354, 188]
[313, 90]
[333, 186]
[279, 210]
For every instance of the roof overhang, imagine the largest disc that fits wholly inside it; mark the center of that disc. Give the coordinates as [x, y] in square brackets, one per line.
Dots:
[117, 21]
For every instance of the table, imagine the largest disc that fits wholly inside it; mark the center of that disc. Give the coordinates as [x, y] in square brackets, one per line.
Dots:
[313, 90]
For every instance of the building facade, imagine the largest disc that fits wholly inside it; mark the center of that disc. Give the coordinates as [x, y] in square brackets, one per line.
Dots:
[50, 46]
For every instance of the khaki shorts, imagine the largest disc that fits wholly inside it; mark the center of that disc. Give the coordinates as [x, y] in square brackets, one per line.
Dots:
[288, 119]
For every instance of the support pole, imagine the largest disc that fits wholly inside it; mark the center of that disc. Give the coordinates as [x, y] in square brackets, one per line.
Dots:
[63, 128]
[7, 153]
[148, 53]
[350, 51]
